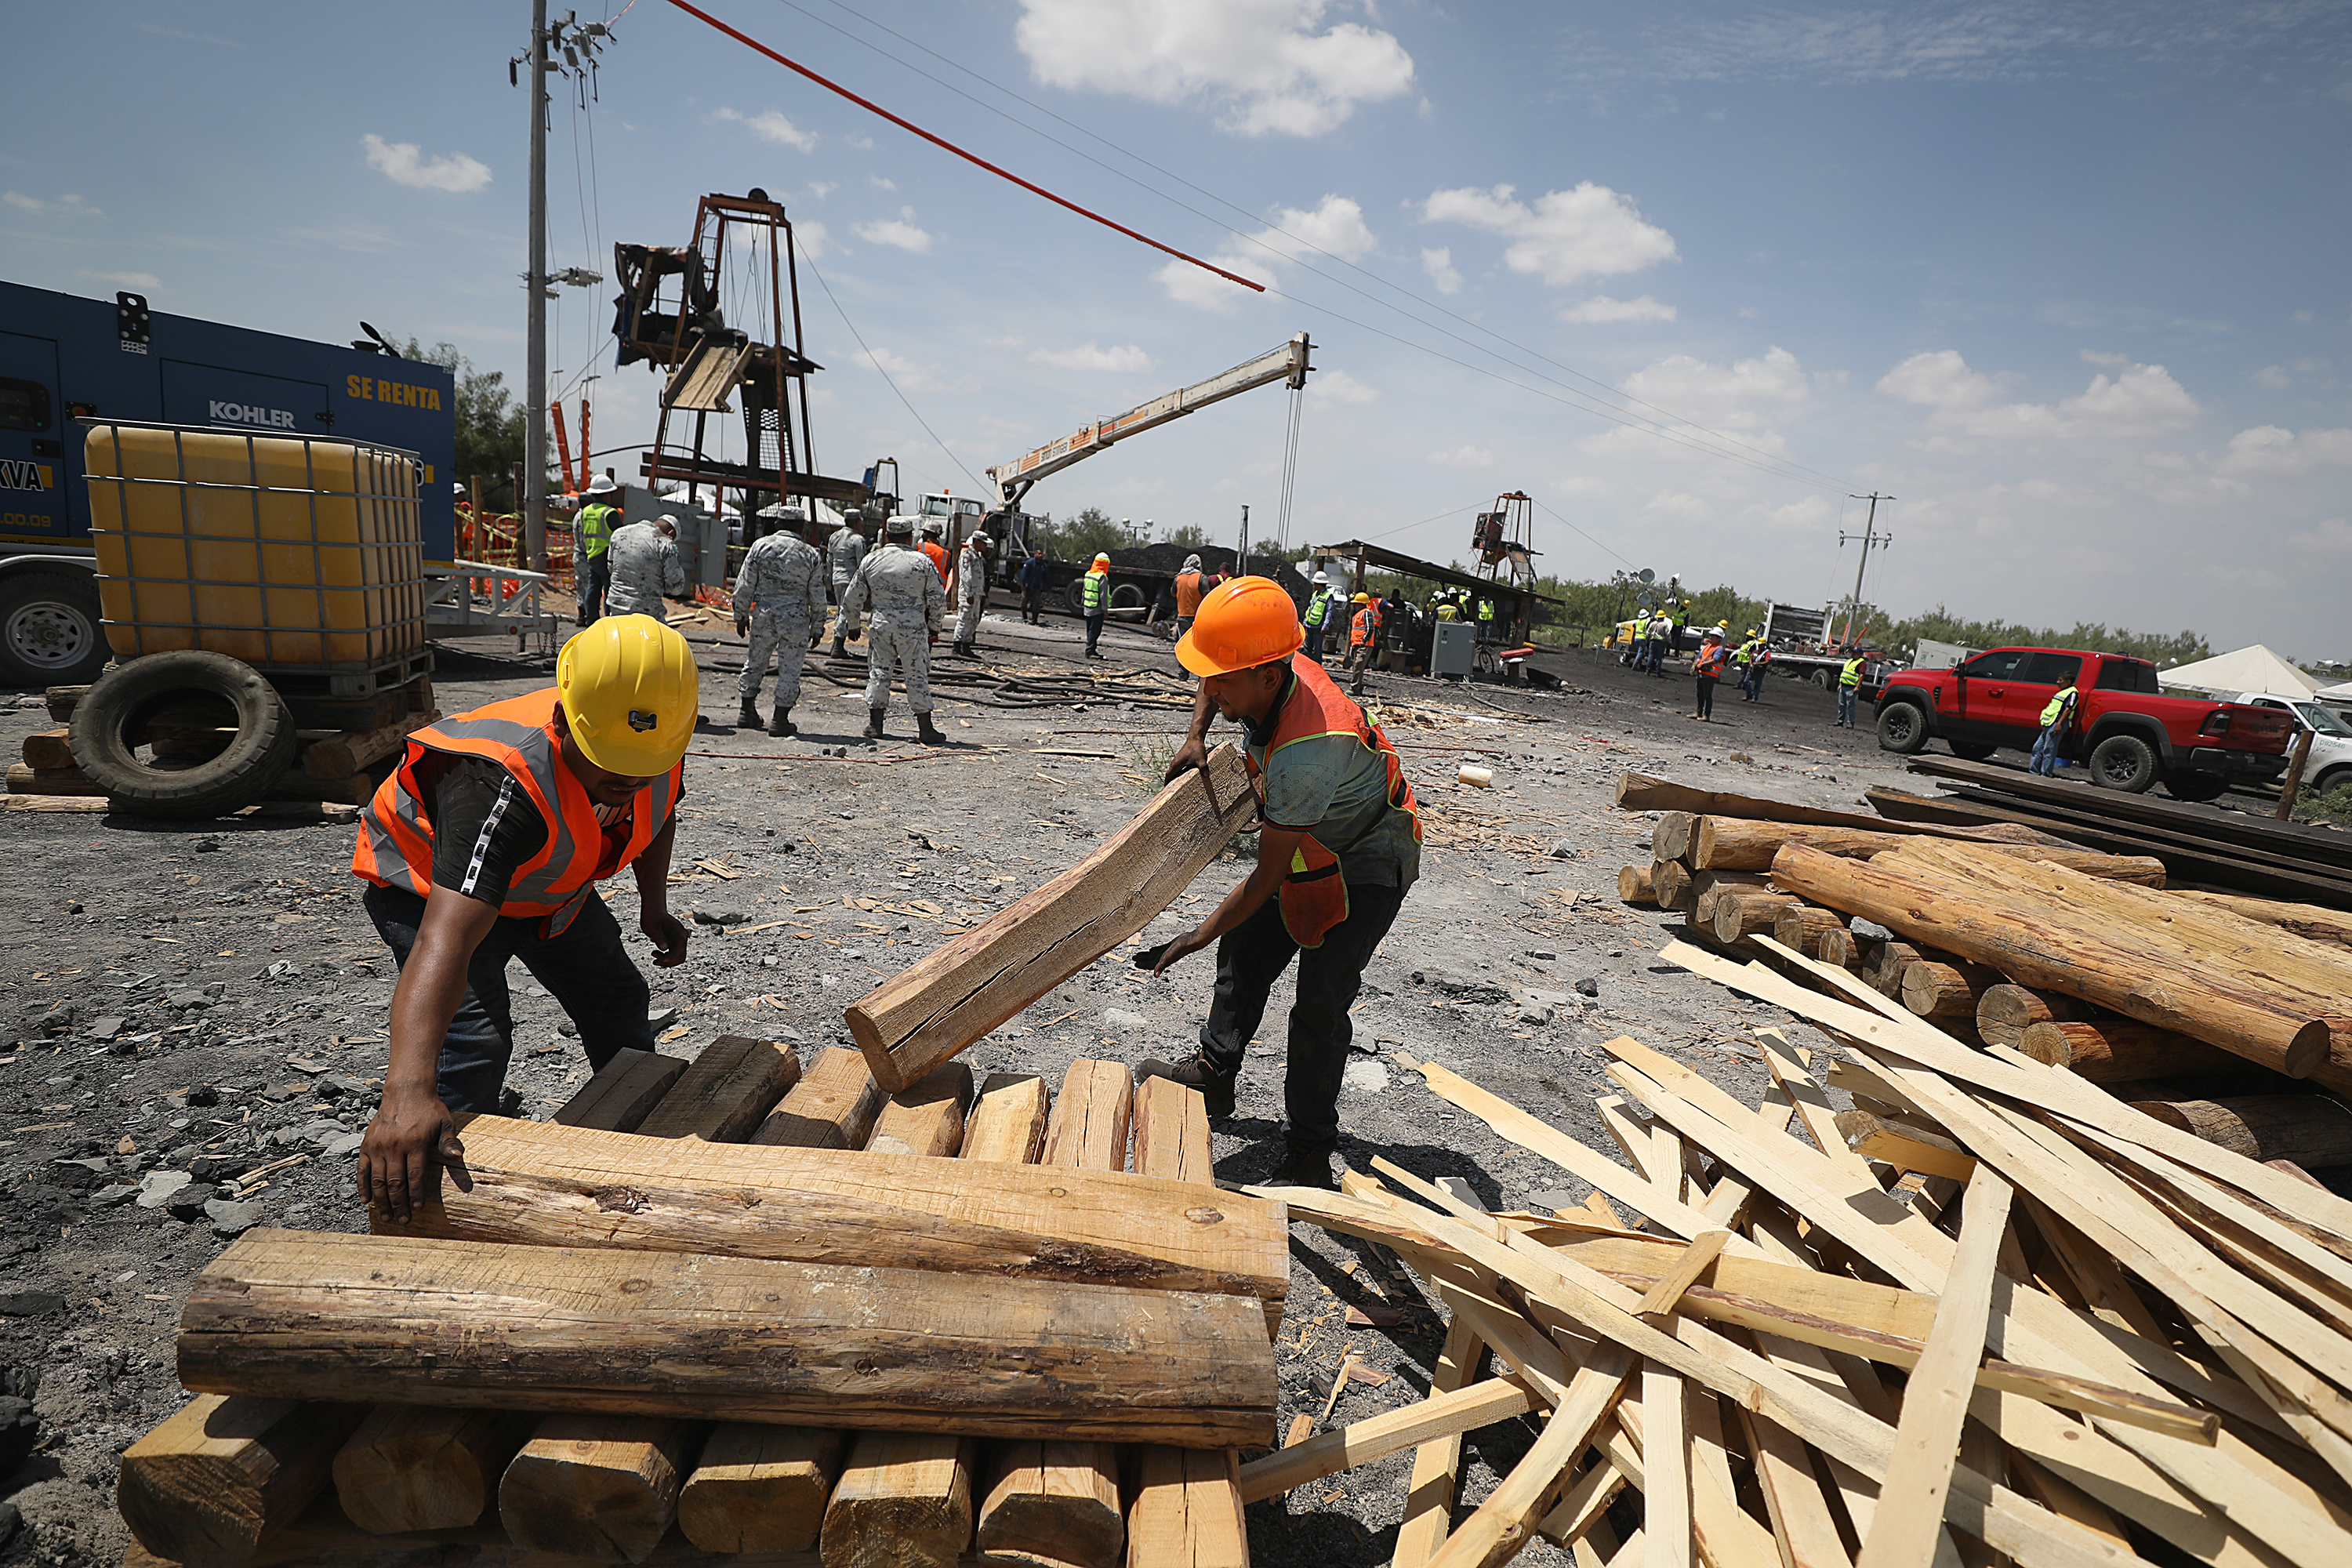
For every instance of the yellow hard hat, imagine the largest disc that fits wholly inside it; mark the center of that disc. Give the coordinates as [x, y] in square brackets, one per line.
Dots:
[630, 694]
[1363, 599]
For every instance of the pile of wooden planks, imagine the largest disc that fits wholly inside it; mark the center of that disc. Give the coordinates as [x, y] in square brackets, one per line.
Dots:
[2096, 1340]
[732, 1308]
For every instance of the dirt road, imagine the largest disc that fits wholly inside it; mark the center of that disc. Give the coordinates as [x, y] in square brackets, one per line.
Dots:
[208, 1002]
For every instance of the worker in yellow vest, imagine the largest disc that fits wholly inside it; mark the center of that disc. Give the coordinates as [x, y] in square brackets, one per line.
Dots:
[2057, 718]
[1848, 688]
[1094, 601]
[591, 537]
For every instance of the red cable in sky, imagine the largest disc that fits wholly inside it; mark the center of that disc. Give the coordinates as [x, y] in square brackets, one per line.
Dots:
[750, 42]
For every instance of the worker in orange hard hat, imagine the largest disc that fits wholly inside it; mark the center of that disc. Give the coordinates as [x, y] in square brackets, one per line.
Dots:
[1094, 600]
[1338, 845]
[485, 844]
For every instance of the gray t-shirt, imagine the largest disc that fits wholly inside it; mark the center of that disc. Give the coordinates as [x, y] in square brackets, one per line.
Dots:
[1336, 788]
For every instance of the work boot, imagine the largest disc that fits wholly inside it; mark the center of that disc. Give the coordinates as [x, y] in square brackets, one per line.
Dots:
[1304, 1168]
[839, 651]
[782, 723]
[874, 723]
[927, 732]
[1215, 1084]
[748, 719]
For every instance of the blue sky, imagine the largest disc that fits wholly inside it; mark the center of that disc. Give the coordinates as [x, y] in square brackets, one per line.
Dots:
[2069, 281]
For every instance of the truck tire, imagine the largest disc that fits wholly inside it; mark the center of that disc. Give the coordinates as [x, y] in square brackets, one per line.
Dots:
[2196, 786]
[1127, 596]
[1074, 597]
[111, 723]
[2126, 763]
[50, 633]
[1902, 728]
[1971, 750]
[2333, 779]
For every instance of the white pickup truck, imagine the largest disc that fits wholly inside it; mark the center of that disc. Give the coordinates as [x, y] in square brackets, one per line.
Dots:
[2330, 764]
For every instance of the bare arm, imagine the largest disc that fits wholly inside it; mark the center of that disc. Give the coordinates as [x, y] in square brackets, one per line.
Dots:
[652, 872]
[1194, 751]
[412, 1133]
[1275, 846]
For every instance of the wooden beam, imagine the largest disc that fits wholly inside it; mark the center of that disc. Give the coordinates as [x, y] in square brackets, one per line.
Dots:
[2307, 1128]
[422, 1466]
[1171, 1133]
[690, 1335]
[533, 1183]
[1092, 1117]
[1641, 792]
[623, 1092]
[832, 1107]
[1186, 1510]
[2122, 1051]
[931, 1011]
[761, 1489]
[904, 1501]
[1727, 844]
[595, 1487]
[218, 1479]
[1437, 1461]
[1008, 1121]
[928, 1119]
[734, 1083]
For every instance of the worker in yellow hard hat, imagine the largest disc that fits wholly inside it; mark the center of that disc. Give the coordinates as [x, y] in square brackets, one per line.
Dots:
[1338, 845]
[485, 845]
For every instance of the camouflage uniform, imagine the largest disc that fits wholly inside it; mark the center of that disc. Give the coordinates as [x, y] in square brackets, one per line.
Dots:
[844, 551]
[780, 592]
[645, 566]
[907, 602]
[971, 592]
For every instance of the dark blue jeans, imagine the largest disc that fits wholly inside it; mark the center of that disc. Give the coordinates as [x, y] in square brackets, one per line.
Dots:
[1094, 631]
[586, 969]
[1314, 646]
[1252, 956]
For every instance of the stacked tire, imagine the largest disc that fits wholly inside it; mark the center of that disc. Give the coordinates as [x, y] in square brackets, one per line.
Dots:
[213, 693]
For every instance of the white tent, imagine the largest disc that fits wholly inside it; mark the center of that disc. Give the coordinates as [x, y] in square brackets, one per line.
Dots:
[2254, 669]
[2338, 694]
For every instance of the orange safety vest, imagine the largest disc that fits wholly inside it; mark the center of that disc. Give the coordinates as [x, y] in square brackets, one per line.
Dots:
[939, 557]
[1188, 593]
[1314, 893]
[1711, 660]
[395, 843]
[1366, 626]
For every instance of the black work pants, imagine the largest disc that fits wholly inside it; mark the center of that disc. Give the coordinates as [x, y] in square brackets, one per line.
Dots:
[1033, 606]
[1706, 696]
[1252, 956]
[1094, 631]
[586, 969]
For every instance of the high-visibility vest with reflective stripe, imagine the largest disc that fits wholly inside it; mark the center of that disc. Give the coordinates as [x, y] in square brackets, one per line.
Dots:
[1094, 590]
[1318, 604]
[593, 528]
[2057, 707]
[1851, 674]
[395, 842]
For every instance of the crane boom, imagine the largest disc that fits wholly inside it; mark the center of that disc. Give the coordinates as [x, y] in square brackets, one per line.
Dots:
[1286, 363]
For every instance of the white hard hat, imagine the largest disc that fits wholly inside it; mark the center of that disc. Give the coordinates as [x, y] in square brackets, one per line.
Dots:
[1322, 579]
[456, 487]
[668, 521]
[602, 485]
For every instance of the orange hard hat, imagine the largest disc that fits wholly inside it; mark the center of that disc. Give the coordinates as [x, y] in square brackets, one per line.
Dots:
[1242, 622]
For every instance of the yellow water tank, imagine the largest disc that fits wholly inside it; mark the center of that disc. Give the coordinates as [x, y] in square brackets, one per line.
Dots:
[287, 552]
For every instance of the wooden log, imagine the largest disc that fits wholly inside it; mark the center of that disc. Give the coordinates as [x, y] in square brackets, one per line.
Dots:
[2051, 933]
[1739, 915]
[1187, 1511]
[903, 1501]
[731, 1086]
[1840, 948]
[211, 1485]
[1802, 928]
[322, 1315]
[354, 751]
[761, 1489]
[537, 1183]
[1171, 1133]
[1670, 884]
[2005, 1012]
[1008, 1121]
[421, 1466]
[1670, 837]
[928, 1119]
[2118, 1051]
[2309, 922]
[591, 1486]
[934, 1009]
[1935, 990]
[47, 751]
[1060, 1499]
[1706, 886]
[1636, 885]
[2307, 1129]
[1640, 791]
[832, 1107]
[1724, 844]
[623, 1092]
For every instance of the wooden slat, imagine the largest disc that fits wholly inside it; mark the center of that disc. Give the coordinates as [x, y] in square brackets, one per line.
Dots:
[929, 1013]
[734, 1083]
[1665, 1462]
[1437, 1462]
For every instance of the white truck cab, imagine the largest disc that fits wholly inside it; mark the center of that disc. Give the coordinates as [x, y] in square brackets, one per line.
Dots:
[2330, 764]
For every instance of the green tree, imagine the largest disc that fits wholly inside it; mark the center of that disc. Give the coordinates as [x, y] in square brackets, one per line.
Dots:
[1191, 536]
[1091, 531]
[489, 425]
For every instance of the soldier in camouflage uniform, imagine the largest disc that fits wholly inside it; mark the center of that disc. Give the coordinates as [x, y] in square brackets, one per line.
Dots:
[972, 591]
[645, 566]
[780, 608]
[907, 602]
[844, 551]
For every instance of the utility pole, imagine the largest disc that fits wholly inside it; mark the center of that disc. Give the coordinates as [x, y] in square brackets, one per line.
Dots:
[534, 283]
[1241, 561]
[1870, 537]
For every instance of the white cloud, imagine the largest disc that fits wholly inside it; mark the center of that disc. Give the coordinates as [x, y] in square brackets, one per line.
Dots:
[820, 189]
[1737, 396]
[771, 125]
[1439, 264]
[2092, 356]
[64, 207]
[815, 240]
[1189, 285]
[910, 377]
[2273, 449]
[137, 282]
[1588, 231]
[1261, 62]
[1338, 387]
[1464, 457]
[1125, 358]
[404, 164]
[899, 231]
[1601, 307]
[2139, 400]
[2330, 534]
[1334, 225]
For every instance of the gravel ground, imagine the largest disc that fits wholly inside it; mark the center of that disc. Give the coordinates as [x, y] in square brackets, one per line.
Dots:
[185, 1004]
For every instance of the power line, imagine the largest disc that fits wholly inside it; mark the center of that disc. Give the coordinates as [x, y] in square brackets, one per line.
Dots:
[873, 359]
[1586, 537]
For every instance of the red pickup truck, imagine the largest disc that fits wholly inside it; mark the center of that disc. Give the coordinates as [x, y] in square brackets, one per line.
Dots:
[2130, 734]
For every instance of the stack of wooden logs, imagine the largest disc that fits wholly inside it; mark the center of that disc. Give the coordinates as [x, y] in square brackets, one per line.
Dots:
[1783, 1351]
[898, 1328]
[2225, 1014]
